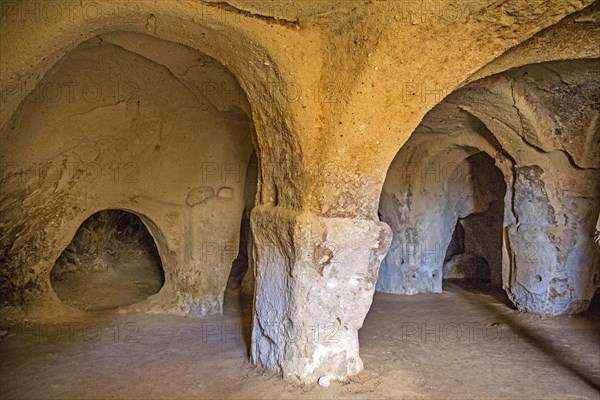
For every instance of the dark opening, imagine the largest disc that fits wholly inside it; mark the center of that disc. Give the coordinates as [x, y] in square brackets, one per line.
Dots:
[112, 261]
[460, 264]
[457, 243]
[475, 251]
[238, 277]
[240, 264]
[593, 310]
[239, 293]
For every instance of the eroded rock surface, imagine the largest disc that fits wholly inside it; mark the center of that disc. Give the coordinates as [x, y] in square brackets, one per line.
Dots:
[312, 291]
[542, 251]
[132, 135]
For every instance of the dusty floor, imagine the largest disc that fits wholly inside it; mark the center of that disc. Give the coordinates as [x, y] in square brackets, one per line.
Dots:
[129, 279]
[459, 344]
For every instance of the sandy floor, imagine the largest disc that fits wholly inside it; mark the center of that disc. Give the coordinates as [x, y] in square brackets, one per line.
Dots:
[130, 279]
[459, 344]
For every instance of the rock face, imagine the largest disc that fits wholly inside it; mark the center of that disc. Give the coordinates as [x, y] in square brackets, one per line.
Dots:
[530, 219]
[155, 109]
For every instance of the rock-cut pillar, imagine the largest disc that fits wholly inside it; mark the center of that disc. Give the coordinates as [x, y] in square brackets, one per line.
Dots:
[314, 286]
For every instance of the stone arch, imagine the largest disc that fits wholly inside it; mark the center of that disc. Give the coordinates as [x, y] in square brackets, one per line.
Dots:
[113, 154]
[507, 116]
[231, 39]
[548, 211]
[429, 187]
[410, 81]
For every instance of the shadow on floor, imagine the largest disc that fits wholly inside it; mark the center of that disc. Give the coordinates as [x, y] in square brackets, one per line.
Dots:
[472, 292]
[481, 288]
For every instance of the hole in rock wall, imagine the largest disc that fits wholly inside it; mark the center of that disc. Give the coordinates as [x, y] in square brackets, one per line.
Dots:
[112, 261]
[475, 251]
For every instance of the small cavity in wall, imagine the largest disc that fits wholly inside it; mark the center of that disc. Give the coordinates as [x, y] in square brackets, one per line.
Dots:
[112, 261]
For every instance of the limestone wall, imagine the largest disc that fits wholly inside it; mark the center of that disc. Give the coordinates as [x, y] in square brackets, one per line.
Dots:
[529, 120]
[161, 132]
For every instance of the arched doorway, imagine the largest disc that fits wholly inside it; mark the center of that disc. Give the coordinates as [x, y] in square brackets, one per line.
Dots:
[475, 251]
